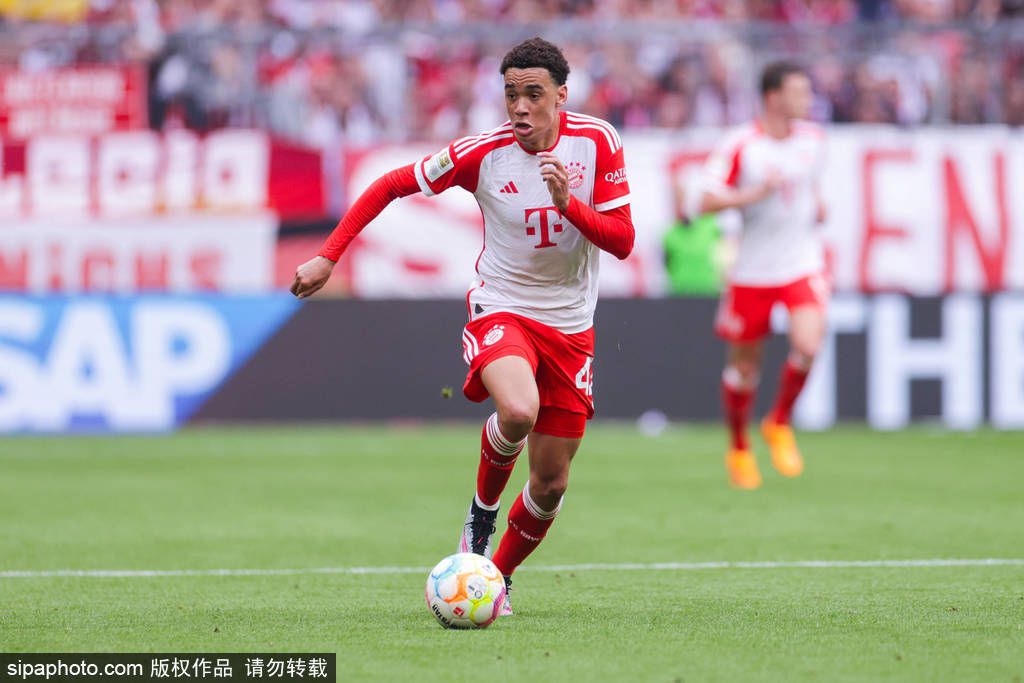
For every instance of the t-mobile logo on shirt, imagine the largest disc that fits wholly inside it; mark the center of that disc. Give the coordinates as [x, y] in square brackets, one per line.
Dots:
[542, 224]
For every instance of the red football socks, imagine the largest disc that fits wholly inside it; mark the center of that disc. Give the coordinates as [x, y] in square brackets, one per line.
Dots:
[737, 402]
[792, 381]
[497, 458]
[527, 525]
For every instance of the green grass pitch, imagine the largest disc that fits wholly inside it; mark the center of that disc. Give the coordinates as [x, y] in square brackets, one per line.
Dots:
[262, 498]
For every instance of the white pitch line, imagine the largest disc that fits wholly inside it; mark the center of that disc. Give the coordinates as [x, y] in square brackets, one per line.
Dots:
[655, 566]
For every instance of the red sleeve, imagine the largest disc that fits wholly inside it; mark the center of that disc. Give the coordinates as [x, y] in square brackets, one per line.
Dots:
[398, 183]
[722, 169]
[611, 189]
[611, 230]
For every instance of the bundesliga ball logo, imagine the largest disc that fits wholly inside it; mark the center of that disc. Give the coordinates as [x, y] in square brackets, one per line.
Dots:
[575, 170]
[465, 591]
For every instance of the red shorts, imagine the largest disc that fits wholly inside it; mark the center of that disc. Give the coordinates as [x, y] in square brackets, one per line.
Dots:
[745, 313]
[562, 364]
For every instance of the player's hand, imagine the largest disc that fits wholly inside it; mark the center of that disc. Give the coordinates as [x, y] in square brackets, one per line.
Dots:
[553, 173]
[311, 276]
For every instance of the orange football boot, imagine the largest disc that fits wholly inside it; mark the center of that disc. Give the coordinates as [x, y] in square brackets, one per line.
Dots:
[785, 455]
[742, 468]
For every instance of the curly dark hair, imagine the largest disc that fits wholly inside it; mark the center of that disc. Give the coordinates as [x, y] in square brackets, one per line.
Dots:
[537, 52]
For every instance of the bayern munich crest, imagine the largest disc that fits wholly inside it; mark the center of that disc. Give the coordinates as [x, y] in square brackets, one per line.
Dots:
[494, 335]
[575, 169]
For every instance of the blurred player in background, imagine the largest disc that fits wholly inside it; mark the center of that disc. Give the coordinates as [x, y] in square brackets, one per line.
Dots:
[552, 189]
[770, 171]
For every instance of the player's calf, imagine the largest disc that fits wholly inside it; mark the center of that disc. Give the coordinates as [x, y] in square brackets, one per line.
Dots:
[794, 375]
[737, 401]
[527, 525]
[498, 455]
[775, 427]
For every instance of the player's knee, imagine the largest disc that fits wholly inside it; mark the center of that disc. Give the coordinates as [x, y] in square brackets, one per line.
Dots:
[748, 371]
[517, 418]
[742, 374]
[549, 489]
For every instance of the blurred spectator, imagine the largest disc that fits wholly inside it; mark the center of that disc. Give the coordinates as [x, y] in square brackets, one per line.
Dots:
[326, 71]
[976, 97]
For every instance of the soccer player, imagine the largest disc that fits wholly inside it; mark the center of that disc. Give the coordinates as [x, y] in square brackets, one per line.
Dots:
[552, 189]
[769, 170]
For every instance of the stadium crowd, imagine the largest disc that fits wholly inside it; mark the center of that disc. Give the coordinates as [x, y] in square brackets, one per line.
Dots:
[362, 71]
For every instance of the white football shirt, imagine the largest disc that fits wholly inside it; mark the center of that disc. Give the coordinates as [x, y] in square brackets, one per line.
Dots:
[780, 241]
[534, 262]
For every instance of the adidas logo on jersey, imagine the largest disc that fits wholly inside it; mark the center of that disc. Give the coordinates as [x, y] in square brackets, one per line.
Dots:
[510, 188]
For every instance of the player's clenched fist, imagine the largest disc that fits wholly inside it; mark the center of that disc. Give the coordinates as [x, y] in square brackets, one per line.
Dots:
[554, 174]
[311, 276]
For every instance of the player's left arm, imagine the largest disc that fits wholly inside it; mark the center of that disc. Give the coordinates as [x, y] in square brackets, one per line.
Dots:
[611, 227]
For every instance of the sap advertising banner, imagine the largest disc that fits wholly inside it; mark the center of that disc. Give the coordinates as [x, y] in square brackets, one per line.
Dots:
[889, 360]
[123, 363]
[959, 346]
[151, 363]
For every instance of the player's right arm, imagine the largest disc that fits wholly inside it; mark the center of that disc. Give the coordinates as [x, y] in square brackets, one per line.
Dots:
[720, 199]
[431, 175]
[722, 188]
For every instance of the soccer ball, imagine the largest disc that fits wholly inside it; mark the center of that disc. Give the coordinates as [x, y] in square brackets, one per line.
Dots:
[465, 591]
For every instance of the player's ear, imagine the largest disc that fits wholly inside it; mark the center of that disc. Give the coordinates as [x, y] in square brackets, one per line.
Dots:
[562, 95]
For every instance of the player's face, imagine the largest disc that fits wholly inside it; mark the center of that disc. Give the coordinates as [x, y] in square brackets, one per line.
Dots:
[795, 96]
[532, 99]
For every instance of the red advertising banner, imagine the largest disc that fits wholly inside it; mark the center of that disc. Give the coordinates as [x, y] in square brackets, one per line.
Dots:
[924, 211]
[79, 100]
[139, 173]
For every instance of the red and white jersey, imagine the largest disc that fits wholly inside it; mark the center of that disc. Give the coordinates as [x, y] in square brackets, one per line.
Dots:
[780, 241]
[534, 262]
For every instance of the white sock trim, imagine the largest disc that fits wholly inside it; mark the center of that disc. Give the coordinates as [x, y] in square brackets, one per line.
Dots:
[733, 378]
[480, 503]
[799, 361]
[498, 441]
[535, 510]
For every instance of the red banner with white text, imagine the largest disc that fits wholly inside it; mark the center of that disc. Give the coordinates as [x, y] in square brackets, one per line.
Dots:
[924, 211]
[143, 173]
[77, 100]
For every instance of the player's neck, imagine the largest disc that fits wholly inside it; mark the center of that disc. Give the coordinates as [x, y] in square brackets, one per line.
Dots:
[543, 144]
[776, 126]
